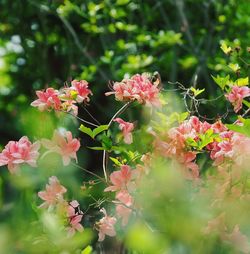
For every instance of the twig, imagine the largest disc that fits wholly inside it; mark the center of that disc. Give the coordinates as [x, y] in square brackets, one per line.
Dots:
[104, 156]
[89, 172]
[79, 118]
[91, 115]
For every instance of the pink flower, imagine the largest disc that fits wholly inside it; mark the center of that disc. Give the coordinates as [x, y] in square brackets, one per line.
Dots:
[19, 152]
[126, 128]
[225, 149]
[64, 145]
[216, 225]
[237, 95]
[81, 89]
[139, 88]
[53, 193]
[238, 240]
[187, 158]
[69, 106]
[124, 197]
[106, 226]
[47, 100]
[120, 179]
[74, 215]
[123, 209]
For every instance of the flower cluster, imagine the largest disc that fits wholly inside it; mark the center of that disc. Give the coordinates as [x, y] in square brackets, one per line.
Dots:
[64, 99]
[137, 88]
[19, 152]
[74, 215]
[174, 144]
[53, 198]
[53, 194]
[192, 136]
[123, 184]
[236, 238]
[236, 96]
[106, 226]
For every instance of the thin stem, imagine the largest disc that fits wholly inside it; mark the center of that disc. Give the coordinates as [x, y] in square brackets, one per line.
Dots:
[104, 165]
[91, 115]
[105, 154]
[89, 172]
[121, 110]
[248, 110]
[79, 118]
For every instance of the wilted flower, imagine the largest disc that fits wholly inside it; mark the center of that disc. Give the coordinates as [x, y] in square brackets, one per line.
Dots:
[19, 152]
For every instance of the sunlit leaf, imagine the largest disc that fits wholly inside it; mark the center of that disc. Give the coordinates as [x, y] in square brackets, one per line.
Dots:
[242, 81]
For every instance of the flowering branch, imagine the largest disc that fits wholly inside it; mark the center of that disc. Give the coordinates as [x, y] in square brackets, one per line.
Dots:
[105, 157]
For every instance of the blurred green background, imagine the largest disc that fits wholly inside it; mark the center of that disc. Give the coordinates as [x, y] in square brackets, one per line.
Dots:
[45, 43]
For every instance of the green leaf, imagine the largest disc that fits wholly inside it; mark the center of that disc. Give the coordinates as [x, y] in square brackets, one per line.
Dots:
[96, 148]
[106, 142]
[221, 81]
[245, 129]
[183, 116]
[206, 138]
[93, 133]
[100, 129]
[87, 250]
[227, 50]
[234, 67]
[197, 91]
[191, 142]
[246, 103]
[116, 161]
[86, 130]
[242, 81]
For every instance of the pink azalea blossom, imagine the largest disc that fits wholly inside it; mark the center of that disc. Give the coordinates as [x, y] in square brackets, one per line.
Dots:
[174, 146]
[126, 128]
[124, 213]
[216, 225]
[63, 144]
[237, 95]
[225, 149]
[120, 179]
[139, 88]
[238, 240]
[82, 90]
[53, 194]
[123, 209]
[69, 106]
[74, 216]
[19, 152]
[47, 100]
[106, 226]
